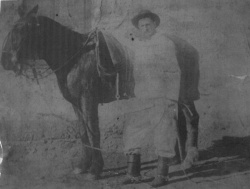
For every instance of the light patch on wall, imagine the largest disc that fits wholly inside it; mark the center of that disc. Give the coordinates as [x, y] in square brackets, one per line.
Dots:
[4, 0]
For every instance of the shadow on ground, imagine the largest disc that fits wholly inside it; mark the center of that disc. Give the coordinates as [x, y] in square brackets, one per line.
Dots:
[230, 155]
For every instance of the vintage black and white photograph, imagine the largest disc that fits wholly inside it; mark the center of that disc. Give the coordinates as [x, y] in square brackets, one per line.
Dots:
[124, 94]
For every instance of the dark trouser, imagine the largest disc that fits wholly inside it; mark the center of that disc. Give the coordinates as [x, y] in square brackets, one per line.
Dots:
[188, 121]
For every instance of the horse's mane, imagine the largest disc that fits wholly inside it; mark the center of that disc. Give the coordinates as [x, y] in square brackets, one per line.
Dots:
[57, 30]
[57, 24]
[56, 40]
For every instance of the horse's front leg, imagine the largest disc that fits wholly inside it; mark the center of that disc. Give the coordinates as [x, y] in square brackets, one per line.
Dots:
[90, 110]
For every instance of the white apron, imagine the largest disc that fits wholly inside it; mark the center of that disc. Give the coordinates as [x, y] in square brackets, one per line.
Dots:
[156, 69]
[157, 84]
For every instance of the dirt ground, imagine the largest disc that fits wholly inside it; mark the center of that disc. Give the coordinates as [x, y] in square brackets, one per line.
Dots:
[225, 164]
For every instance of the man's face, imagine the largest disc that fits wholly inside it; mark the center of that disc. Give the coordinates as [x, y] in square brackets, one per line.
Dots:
[147, 27]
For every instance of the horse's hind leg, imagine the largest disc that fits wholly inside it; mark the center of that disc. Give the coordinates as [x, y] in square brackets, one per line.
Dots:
[86, 152]
[90, 109]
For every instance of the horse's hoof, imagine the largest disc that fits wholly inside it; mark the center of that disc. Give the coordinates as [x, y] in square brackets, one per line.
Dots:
[92, 177]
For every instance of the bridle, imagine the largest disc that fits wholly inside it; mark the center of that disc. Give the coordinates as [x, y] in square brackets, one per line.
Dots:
[14, 46]
[9, 36]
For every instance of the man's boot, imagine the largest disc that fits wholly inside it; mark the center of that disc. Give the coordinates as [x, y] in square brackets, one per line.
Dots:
[133, 173]
[161, 177]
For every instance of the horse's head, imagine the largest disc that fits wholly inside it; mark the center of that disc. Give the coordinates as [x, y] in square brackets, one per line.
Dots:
[18, 45]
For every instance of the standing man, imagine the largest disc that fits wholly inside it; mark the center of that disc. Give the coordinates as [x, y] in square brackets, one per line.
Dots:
[165, 88]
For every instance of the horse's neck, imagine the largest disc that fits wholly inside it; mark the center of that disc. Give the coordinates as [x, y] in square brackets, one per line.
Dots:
[58, 57]
[62, 47]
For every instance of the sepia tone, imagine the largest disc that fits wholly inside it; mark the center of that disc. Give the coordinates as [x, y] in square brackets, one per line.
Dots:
[39, 130]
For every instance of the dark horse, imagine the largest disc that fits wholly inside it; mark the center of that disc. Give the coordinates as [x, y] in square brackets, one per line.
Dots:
[86, 72]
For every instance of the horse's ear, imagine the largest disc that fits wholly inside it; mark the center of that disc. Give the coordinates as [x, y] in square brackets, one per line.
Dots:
[33, 11]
